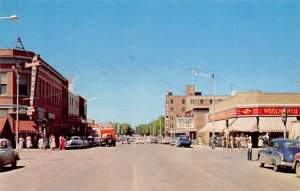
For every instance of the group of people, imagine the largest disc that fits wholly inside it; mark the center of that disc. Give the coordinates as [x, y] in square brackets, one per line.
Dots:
[43, 143]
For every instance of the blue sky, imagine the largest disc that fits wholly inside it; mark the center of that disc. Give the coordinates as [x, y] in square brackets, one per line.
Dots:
[130, 53]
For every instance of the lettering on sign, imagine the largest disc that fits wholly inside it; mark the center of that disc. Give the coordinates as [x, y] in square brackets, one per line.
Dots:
[185, 122]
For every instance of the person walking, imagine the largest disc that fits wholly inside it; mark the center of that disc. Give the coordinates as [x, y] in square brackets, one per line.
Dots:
[249, 146]
[260, 142]
[53, 144]
[231, 141]
[213, 141]
[21, 143]
[28, 142]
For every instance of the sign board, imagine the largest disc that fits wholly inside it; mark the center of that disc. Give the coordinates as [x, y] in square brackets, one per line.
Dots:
[185, 123]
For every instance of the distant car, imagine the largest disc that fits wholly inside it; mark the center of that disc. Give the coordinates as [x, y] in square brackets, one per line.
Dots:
[183, 140]
[74, 142]
[96, 141]
[166, 140]
[297, 164]
[85, 142]
[173, 140]
[154, 140]
[280, 153]
[140, 140]
[8, 156]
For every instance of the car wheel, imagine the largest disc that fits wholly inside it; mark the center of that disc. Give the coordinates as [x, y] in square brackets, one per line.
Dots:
[14, 164]
[298, 170]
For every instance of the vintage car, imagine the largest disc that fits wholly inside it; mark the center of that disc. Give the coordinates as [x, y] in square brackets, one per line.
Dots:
[297, 164]
[74, 142]
[280, 153]
[183, 140]
[8, 156]
[140, 140]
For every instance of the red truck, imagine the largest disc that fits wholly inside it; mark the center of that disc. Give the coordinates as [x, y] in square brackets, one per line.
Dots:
[108, 137]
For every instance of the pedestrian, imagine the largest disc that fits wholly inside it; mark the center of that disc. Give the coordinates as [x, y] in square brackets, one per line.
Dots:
[42, 143]
[260, 142]
[53, 144]
[28, 142]
[231, 141]
[61, 142]
[223, 141]
[266, 139]
[21, 143]
[213, 141]
[249, 146]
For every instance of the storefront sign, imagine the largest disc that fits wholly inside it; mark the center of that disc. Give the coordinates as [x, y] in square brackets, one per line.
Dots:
[185, 122]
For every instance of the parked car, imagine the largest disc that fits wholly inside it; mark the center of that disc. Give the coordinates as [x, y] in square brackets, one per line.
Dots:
[140, 140]
[173, 140]
[8, 156]
[95, 141]
[154, 140]
[183, 140]
[74, 142]
[280, 153]
[297, 164]
[166, 140]
[85, 142]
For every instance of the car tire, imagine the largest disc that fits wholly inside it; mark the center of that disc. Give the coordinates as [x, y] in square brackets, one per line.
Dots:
[298, 170]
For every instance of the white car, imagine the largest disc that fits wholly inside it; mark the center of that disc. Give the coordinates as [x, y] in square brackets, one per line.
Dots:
[140, 140]
[8, 156]
[74, 142]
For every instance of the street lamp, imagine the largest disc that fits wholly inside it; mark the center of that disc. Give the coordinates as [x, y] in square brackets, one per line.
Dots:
[212, 77]
[85, 104]
[17, 109]
[12, 17]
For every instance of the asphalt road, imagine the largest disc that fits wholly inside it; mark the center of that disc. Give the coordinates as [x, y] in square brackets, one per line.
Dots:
[143, 167]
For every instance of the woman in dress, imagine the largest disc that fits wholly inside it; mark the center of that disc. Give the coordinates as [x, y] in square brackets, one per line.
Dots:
[28, 142]
[53, 144]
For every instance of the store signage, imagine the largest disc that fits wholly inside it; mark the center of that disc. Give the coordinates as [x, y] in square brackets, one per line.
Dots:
[185, 123]
[255, 111]
[34, 67]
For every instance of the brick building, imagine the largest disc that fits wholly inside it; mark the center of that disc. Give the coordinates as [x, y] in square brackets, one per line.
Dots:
[192, 107]
[43, 96]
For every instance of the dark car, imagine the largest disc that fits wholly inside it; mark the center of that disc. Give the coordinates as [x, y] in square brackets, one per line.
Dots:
[184, 141]
[280, 153]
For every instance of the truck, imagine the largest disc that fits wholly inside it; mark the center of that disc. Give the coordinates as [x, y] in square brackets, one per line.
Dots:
[107, 137]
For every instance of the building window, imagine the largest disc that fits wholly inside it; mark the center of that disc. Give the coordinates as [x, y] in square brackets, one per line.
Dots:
[183, 101]
[210, 101]
[201, 101]
[171, 109]
[24, 85]
[3, 83]
[192, 101]
[171, 101]
[183, 109]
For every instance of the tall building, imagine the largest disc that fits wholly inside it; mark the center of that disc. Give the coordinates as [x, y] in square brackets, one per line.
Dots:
[185, 114]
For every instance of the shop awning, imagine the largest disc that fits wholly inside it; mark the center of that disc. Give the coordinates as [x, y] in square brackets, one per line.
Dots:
[243, 124]
[2, 124]
[27, 127]
[274, 124]
[219, 127]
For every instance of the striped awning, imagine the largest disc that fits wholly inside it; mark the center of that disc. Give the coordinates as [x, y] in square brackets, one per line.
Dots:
[27, 127]
[274, 124]
[218, 127]
[243, 124]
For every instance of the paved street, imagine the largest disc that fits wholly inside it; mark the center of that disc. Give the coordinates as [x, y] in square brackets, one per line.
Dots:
[143, 167]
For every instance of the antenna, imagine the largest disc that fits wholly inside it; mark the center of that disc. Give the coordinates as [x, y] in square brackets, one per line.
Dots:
[19, 44]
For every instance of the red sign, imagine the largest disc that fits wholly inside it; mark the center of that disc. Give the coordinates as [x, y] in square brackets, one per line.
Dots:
[255, 111]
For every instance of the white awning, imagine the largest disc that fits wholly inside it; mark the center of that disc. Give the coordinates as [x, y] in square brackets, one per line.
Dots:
[244, 124]
[218, 127]
[274, 124]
